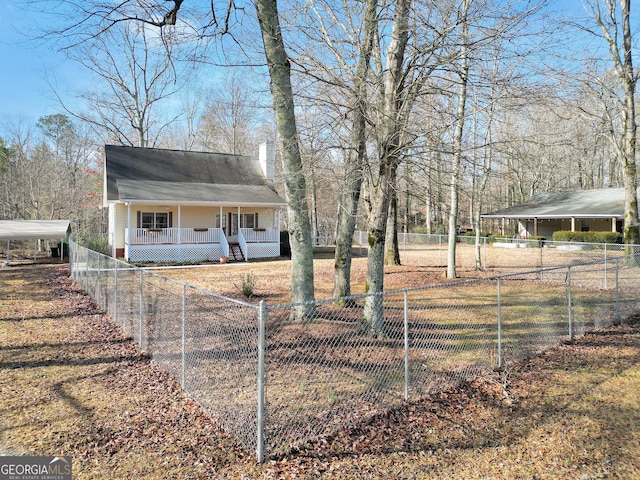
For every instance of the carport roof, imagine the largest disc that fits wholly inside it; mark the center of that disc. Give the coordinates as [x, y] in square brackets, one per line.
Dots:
[34, 229]
[596, 203]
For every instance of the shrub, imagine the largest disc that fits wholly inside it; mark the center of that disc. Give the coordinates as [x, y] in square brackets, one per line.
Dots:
[587, 237]
[248, 286]
[469, 237]
[98, 244]
[535, 241]
[422, 230]
[497, 238]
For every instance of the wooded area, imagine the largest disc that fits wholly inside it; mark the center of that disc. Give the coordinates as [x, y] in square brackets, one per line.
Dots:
[400, 116]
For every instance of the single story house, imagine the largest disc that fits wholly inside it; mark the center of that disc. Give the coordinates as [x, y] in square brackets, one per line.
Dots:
[180, 206]
[600, 209]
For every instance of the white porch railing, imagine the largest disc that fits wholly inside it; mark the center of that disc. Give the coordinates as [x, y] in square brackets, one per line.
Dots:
[260, 235]
[194, 244]
[243, 243]
[173, 236]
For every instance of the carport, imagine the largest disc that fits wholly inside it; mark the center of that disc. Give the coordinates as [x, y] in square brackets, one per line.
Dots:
[34, 230]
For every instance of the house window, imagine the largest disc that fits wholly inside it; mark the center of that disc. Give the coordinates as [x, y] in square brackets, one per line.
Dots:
[584, 225]
[224, 221]
[154, 219]
[249, 220]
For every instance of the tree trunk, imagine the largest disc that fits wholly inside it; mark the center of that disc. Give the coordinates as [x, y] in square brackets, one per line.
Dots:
[295, 186]
[388, 159]
[346, 224]
[392, 250]
[377, 219]
[457, 143]
[631, 227]
[348, 203]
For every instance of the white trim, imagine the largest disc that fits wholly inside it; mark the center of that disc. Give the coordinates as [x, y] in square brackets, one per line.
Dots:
[200, 204]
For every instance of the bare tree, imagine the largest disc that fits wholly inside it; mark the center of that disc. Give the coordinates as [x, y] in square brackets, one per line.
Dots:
[232, 118]
[50, 177]
[135, 80]
[463, 73]
[613, 21]
[381, 175]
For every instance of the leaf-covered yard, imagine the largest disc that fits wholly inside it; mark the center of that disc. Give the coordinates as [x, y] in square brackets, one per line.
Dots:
[73, 384]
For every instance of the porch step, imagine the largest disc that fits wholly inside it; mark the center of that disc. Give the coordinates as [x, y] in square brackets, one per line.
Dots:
[235, 253]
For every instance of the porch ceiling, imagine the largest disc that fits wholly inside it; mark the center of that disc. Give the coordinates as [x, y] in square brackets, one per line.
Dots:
[177, 192]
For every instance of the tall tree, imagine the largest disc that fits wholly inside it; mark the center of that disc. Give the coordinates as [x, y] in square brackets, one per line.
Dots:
[461, 99]
[295, 185]
[392, 119]
[50, 176]
[355, 158]
[615, 29]
[135, 75]
[231, 119]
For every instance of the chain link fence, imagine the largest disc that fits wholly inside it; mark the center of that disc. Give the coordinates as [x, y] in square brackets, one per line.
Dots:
[278, 383]
[490, 253]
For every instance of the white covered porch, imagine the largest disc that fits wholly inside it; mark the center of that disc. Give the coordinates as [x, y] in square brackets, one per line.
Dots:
[233, 233]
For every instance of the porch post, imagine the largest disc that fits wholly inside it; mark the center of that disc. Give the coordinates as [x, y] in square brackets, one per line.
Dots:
[179, 234]
[238, 220]
[613, 224]
[128, 239]
[535, 227]
[179, 226]
[573, 224]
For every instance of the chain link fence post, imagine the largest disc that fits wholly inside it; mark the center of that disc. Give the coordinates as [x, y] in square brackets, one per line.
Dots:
[540, 245]
[115, 293]
[184, 333]
[570, 312]
[605, 266]
[617, 291]
[261, 382]
[406, 346]
[141, 319]
[499, 360]
[485, 240]
[99, 289]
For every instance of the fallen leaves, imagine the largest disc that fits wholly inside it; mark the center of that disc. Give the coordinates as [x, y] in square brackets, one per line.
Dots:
[73, 384]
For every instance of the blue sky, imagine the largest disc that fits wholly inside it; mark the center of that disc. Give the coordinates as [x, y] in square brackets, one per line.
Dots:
[25, 93]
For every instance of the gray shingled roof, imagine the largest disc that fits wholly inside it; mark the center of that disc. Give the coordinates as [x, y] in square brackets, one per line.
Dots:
[144, 190]
[154, 174]
[596, 203]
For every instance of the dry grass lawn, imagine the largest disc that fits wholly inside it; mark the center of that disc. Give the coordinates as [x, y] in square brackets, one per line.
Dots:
[72, 383]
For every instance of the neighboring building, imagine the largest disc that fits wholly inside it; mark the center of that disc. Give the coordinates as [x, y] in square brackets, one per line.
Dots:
[600, 209]
[172, 205]
[35, 230]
